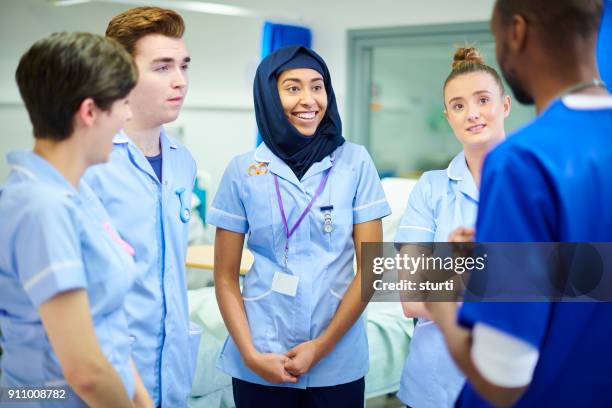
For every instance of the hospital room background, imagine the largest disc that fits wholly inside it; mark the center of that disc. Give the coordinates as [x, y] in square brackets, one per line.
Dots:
[388, 60]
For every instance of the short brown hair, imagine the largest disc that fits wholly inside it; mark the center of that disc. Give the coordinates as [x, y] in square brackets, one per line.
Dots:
[131, 25]
[467, 60]
[60, 71]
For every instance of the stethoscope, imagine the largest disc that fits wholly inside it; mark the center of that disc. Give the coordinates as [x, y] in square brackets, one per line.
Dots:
[185, 211]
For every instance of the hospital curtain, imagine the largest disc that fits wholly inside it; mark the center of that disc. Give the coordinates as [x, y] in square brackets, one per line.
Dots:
[275, 36]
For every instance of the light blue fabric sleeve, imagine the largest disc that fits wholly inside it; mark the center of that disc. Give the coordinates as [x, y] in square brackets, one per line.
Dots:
[92, 178]
[227, 210]
[48, 251]
[418, 222]
[370, 202]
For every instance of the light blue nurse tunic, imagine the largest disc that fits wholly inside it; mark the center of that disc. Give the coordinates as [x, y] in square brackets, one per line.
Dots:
[54, 239]
[152, 215]
[323, 262]
[441, 201]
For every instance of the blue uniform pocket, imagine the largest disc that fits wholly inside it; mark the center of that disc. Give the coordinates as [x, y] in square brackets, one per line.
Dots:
[260, 315]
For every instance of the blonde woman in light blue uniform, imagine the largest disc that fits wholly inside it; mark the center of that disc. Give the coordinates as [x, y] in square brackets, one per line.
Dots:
[443, 206]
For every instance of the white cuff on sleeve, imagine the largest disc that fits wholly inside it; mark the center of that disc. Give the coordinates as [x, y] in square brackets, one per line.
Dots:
[502, 359]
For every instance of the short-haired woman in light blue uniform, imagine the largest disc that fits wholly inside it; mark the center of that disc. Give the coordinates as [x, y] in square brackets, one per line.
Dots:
[443, 206]
[64, 270]
[306, 200]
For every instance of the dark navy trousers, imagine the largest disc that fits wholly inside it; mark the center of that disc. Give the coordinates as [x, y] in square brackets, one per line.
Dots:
[349, 395]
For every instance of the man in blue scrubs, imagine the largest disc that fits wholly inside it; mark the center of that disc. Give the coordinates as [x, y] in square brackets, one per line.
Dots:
[549, 182]
[146, 188]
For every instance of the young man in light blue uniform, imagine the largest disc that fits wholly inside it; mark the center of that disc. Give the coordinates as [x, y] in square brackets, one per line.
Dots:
[550, 183]
[146, 188]
[475, 105]
[64, 270]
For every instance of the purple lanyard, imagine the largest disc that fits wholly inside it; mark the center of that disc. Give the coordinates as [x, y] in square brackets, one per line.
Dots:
[279, 198]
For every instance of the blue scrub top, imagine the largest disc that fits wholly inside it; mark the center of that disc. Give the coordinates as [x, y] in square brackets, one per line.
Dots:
[441, 201]
[549, 182]
[147, 213]
[604, 45]
[322, 261]
[54, 239]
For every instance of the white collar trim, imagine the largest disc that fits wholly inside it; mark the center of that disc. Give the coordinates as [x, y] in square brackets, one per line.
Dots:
[261, 149]
[587, 102]
[120, 138]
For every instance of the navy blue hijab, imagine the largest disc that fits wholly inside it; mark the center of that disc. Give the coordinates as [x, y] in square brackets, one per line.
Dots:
[281, 137]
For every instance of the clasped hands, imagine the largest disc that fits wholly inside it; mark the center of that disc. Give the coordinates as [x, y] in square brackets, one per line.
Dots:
[286, 368]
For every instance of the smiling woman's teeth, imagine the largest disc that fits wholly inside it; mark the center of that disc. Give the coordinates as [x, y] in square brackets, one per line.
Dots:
[305, 115]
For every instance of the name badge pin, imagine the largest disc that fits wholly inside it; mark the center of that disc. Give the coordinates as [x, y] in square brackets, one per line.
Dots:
[327, 218]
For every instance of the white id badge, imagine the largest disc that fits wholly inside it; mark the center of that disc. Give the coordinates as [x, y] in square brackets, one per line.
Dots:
[285, 283]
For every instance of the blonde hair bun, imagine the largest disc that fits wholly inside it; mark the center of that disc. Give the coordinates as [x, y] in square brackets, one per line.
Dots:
[467, 55]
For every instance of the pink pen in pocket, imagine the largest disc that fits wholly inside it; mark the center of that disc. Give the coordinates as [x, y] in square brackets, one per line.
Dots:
[113, 234]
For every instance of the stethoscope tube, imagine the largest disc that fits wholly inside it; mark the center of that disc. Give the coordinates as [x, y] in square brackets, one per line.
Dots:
[185, 211]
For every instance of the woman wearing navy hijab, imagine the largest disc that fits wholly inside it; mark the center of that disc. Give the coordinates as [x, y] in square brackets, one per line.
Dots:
[307, 200]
